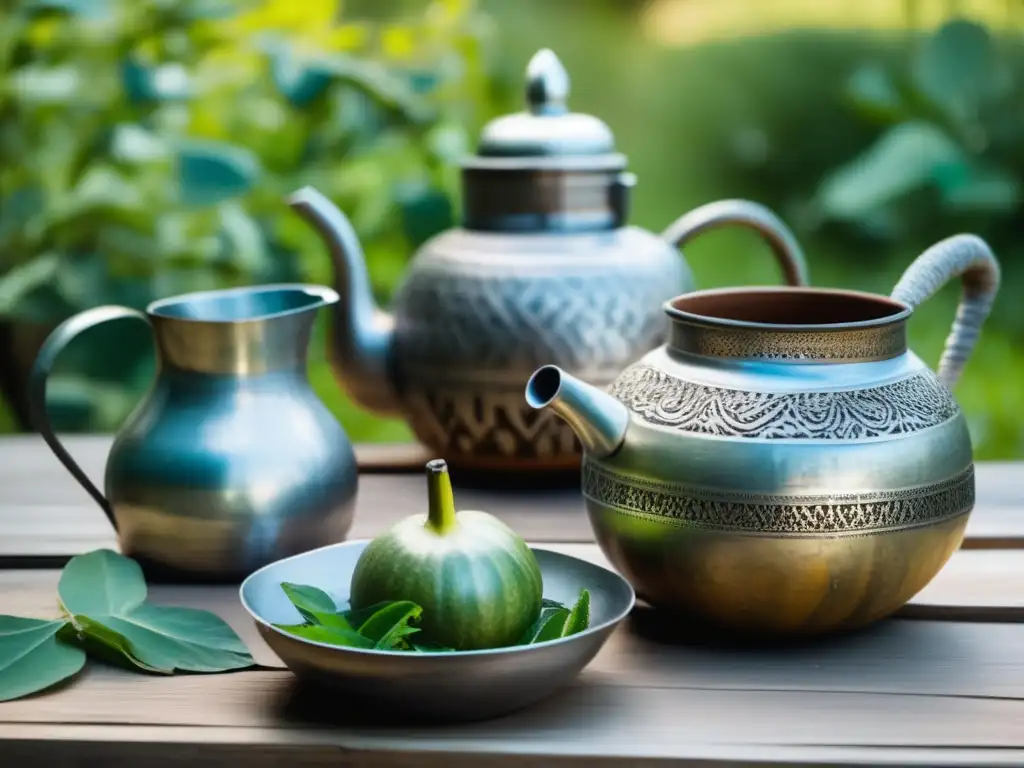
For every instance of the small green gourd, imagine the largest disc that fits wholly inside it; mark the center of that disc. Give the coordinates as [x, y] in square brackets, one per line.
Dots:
[477, 581]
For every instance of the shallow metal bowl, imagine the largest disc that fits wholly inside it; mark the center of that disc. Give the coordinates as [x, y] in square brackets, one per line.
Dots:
[470, 685]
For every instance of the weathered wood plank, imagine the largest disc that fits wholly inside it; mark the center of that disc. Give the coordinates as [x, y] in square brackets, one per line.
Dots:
[72, 746]
[902, 693]
[45, 517]
[895, 657]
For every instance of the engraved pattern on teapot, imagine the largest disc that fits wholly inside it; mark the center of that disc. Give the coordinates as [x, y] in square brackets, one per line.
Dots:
[897, 408]
[691, 507]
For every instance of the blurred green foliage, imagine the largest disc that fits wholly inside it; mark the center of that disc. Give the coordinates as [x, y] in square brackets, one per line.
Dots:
[146, 145]
[743, 117]
[951, 144]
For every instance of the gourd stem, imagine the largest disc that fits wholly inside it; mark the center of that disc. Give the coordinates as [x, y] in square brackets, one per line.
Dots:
[441, 500]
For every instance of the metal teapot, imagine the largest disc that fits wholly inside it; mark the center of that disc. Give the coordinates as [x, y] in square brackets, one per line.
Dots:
[784, 464]
[231, 461]
[544, 268]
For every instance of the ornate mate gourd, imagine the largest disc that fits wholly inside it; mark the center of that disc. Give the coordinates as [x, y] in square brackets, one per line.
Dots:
[477, 581]
[543, 269]
[784, 463]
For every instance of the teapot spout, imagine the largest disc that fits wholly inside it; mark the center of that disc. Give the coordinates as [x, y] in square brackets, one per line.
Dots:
[598, 419]
[361, 334]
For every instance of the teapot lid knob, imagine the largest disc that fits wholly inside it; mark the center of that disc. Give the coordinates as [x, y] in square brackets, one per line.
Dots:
[547, 84]
[547, 131]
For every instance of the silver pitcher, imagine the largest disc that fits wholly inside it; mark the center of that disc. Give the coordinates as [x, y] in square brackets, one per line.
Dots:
[544, 268]
[231, 461]
[785, 463]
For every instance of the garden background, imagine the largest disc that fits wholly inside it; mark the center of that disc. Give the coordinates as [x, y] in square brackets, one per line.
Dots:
[145, 146]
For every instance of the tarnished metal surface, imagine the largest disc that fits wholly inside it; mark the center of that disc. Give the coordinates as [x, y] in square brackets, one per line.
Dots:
[231, 461]
[471, 685]
[794, 492]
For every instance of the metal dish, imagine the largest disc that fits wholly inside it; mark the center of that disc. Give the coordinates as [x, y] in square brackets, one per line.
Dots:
[472, 685]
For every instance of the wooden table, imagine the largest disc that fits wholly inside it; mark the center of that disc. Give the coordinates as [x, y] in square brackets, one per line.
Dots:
[943, 684]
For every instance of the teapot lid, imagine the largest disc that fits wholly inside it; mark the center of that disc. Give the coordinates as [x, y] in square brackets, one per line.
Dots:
[547, 134]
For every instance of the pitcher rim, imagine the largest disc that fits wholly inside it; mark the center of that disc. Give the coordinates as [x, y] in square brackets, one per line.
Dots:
[326, 294]
[901, 310]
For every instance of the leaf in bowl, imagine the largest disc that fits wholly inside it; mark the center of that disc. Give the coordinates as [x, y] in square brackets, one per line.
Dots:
[384, 626]
[549, 626]
[579, 616]
[557, 621]
[344, 638]
[316, 606]
[426, 647]
[389, 626]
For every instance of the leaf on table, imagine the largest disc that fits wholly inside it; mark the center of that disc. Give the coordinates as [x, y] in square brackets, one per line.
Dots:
[105, 594]
[548, 626]
[101, 583]
[346, 638]
[102, 643]
[316, 606]
[32, 658]
[171, 638]
[579, 617]
[388, 626]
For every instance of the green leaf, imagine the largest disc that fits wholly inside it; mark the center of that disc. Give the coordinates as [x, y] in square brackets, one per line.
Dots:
[102, 643]
[172, 638]
[388, 626]
[330, 635]
[302, 83]
[426, 647]
[873, 94]
[248, 246]
[132, 143]
[548, 603]
[905, 159]
[23, 279]
[309, 600]
[101, 583]
[358, 617]
[105, 593]
[956, 66]
[383, 87]
[32, 658]
[982, 190]
[316, 606]
[211, 172]
[51, 86]
[579, 617]
[548, 626]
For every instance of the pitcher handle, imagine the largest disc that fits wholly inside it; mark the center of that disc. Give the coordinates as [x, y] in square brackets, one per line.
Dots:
[744, 213]
[55, 343]
[969, 258]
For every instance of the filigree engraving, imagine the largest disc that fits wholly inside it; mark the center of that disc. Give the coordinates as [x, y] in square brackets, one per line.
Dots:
[468, 336]
[899, 408]
[598, 320]
[489, 425]
[691, 507]
[839, 345]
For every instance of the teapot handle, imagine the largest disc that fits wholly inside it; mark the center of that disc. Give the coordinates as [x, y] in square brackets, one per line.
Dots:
[55, 343]
[969, 258]
[744, 213]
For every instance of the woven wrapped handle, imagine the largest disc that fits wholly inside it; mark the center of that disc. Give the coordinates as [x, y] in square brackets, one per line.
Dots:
[744, 213]
[969, 258]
